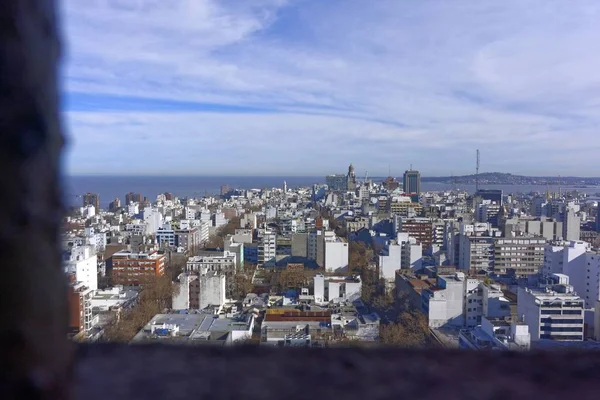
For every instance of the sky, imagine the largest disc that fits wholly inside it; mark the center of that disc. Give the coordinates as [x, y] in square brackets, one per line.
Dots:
[306, 87]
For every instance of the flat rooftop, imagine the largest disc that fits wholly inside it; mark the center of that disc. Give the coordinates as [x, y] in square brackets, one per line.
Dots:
[130, 254]
[194, 326]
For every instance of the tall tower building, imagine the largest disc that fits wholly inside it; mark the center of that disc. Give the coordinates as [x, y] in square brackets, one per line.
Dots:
[132, 198]
[412, 182]
[92, 199]
[351, 178]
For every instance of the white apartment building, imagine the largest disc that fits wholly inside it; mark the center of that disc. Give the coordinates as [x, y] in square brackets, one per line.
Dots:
[203, 230]
[235, 248]
[554, 312]
[402, 253]
[205, 215]
[267, 247]
[336, 289]
[212, 290]
[219, 263]
[444, 304]
[190, 212]
[523, 255]
[475, 253]
[495, 304]
[153, 220]
[133, 209]
[83, 262]
[496, 334]
[582, 265]
[95, 239]
[571, 224]
[336, 254]
[219, 219]
[136, 229]
[88, 211]
[463, 302]
[324, 247]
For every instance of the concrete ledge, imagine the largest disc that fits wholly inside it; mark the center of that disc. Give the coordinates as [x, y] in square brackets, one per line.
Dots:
[166, 372]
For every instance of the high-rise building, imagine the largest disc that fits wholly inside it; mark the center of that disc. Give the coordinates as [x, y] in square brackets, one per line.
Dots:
[412, 182]
[571, 225]
[92, 199]
[224, 190]
[493, 195]
[598, 218]
[267, 247]
[133, 198]
[337, 182]
[114, 205]
[554, 312]
[351, 179]
[523, 255]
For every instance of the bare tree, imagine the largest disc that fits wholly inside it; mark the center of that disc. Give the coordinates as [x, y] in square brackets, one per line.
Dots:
[242, 285]
[155, 296]
[411, 330]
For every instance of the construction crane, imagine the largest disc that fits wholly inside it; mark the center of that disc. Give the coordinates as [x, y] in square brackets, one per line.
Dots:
[477, 172]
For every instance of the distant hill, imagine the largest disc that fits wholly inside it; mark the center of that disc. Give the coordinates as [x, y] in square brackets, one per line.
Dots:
[500, 178]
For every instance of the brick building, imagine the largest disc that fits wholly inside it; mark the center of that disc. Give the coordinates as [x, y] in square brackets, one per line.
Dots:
[130, 268]
[80, 308]
[419, 228]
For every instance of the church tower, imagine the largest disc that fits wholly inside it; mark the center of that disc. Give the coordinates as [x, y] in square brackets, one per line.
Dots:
[351, 178]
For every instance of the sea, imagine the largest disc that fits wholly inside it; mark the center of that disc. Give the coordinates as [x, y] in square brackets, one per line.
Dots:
[111, 187]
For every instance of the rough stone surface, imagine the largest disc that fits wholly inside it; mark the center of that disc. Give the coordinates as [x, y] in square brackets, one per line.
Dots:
[156, 372]
[34, 358]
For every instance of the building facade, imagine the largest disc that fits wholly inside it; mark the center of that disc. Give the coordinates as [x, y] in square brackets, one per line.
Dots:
[92, 199]
[521, 255]
[83, 263]
[129, 268]
[412, 182]
[80, 308]
[267, 247]
[552, 313]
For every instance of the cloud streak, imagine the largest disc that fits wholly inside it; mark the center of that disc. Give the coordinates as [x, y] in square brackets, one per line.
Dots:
[301, 87]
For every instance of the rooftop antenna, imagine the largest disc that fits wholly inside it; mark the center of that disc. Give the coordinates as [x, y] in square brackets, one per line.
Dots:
[477, 171]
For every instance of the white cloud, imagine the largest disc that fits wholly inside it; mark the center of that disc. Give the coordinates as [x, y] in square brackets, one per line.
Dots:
[405, 81]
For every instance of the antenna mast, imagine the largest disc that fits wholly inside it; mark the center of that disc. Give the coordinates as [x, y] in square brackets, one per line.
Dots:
[477, 171]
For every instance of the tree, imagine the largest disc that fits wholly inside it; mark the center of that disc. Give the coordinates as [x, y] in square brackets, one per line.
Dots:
[359, 256]
[217, 241]
[293, 278]
[155, 296]
[242, 285]
[410, 331]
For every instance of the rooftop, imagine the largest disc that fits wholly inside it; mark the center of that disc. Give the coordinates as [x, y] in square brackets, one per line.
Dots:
[129, 254]
[194, 326]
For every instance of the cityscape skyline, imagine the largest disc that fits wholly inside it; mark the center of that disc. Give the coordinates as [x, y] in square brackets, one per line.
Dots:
[425, 83]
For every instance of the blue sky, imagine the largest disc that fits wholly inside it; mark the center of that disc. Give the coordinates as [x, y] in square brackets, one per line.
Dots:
[303, 87]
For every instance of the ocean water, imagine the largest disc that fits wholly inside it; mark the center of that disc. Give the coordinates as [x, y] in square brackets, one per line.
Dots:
[111, 187]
